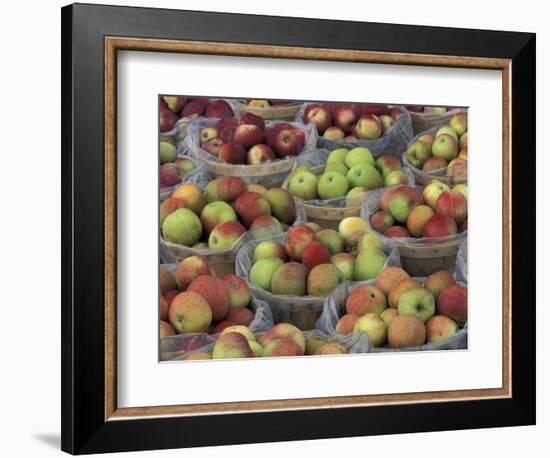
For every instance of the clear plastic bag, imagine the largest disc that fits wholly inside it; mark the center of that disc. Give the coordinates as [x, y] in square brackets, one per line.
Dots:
[198, 170]
[392, 142]
[461, 271]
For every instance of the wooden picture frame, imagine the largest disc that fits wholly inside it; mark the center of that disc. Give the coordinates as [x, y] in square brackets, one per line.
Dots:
[91, 37]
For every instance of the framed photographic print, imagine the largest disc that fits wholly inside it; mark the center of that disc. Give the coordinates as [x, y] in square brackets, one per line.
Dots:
[271, 222]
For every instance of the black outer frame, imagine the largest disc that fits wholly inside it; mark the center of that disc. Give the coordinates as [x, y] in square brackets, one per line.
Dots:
[84, 429]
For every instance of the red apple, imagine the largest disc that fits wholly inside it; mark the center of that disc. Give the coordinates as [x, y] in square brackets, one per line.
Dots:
[319, 115]
[344, 118]
[439, 226]
[259, 154]
[248, 135]
[250, 118]
[232, 153]
[286, 143]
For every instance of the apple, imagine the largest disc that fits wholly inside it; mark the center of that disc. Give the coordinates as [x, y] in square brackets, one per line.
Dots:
[314, 254]
[397, 232]
[418, 218]
[290, 279]
[166, 280]
[281, 347]
[232, 345]
[427, 138]
[448, 131]
[400, 205]
[334, 133]
[387, 164]
[364, 175]
[331, 185]
[219, 109]
[462, 189]
[374, 326]
[207, 133]
[370, 108]
[463, 153]
[250, 206]
[174, 103]
[438, 281]
[395, 113]
[432, 192]
[458, 169]
[265, 226]
[248, 135]
[359, 155]
[297, 238]
[445, 146]
[337, 156]
[356, 196]
[368, 240]
[453, 302]
[184, 165]
[262, 271]
[260, 154]
[397, 177]
[453, 204]
[419, 302]
[351, 224]
[182, 227]
[303, 185]
[313, 226]
[192, 109]
[388, 315]
[215, 213]
[239, 293]
[283, 206]
[399, 287]
[406, 331]
[286, 143]
[459, 122]
[167, 152]
[322, 279]
[418, 153]
[381, 221]
[366, 299]
[170, 205]
[285, 331]
[463, 142]
[232, 153]
[190, 312]
[439, 328]
[166, 330]
[345, 263]
[226, 189]
[168, 175]
[227, 133]
[250, 118]
[344, 118]
[434, 163]
[269, 248]
[213, 146]
[338, 167]
[224, 235]
[167, 119]
[346, 323]
[390, 276]
[319, 115]
[258, 103]
[369, 127]
[216, 293]
[439, 226]
[331, 239]
[254, 187]
[368, 263]
[239, 314]
[386, 121]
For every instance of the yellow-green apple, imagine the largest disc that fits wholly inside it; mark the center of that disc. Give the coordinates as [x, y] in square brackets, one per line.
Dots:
[190, 312]
[388, 315]
[170, 205]
[435, 110]
[345, 263]
[191, 268]
[331, 348]
[368, 263]
[248, 135]
[418, 218]
[369, 127]
[282, 205]
[319, 115]
[418, 153]
[258, 103]
[232, 153]
[419, 302]
[239, 315]
[262, 271]
[387, 164]
[445, 146]
[453, 302]
[346, 323]
[215, 291]
[401, 204]
[313, 343]
[406, 331]
[331, 185]
[337, 167]
[432, 192]
[459, 122]
[322, 279]
[366, 299]
[332, 240]
[351, 224]
[269, 248]
[359, 155]
[182, 227]
[216, 213]
[259, 154]
[364, 175]
[399, 288]
[434, 163]
[369, 240]
[254, 187]
[440, 226]
[239, 328]
[385, 197]
[388, 277]
[314, 254]
[427, 138]
[286, 143]
[447, 130]
[438, 281]
[250, 205]
[290, 278]
[386, 121]
[397, 232]
[184, 165]
[297, 238]
[334, 133]
[256, 348]
[213, 146]
[396, 177]
[251, 118]
[337, 156]
[439, 328]
[167, 152]
[381, 221]
[344, 118]
[239, 293]
[356, 196]
[232, 345]
[303, 185]
[462, 189]
[281, 347]
[207, 133]
[374, 326]
[168, 175]
[166, 330]
[226, 188]
[224, 235]
[284, 331]
[166, 280]
[174, 103]
[463, 142]
[453, 204]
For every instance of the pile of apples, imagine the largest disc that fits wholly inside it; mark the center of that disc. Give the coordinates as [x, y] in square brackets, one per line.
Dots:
[194, 300]
[337, 121]
[349, 173]
[172, 108]
[313, 261]
[436, 211]
[219, 216]
[263, 103]
[283, 339]
[247, 140]
[447, 149]
[403, 312]
[172, 168]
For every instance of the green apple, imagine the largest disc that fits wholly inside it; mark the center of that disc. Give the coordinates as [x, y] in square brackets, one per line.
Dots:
[369, 240]
[356, 196]
[302, 168]
[432, 191]
[445, 146]
[368, 263]
[447, 130]
[418, 152]
[374, 326]
[462, 189]
[365, 175]
[359, 155]
[400, 206]
[330, 238]
[262, 271]
[337, 167]
[303, 185]
[215, 213]
[345, 263]
[331, 185]
[419, 302]
[459, 122]
[337, 156]
[183, 227]
[167, 152]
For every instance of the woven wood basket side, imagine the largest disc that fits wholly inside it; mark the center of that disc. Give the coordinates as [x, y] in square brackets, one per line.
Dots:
[283, 112]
